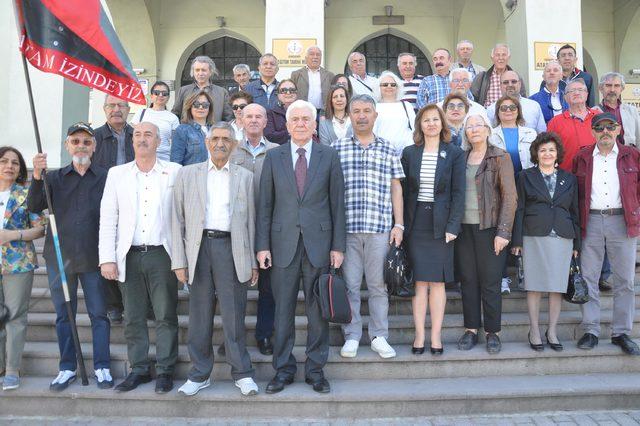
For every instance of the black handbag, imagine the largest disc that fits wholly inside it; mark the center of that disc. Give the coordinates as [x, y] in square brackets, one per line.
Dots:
[577, 290]
[520, 265]
[398, 274]
[331, 292]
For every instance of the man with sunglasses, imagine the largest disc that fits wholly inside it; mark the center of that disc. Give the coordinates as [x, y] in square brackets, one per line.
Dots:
[608, 187]
[434, 88]
[76, 191]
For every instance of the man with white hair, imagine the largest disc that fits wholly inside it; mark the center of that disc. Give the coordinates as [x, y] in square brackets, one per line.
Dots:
[361, 82]
[460, 83]
[300, 232]
[434, 88]
[312, 80]
[486, 84]
[241, 75]
[551, 94]
[611, 87]
[464, 50]
[202, 70]
[410, 80]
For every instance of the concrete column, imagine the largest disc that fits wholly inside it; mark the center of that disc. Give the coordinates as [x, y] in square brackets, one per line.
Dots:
[532, 21]
[296, 22]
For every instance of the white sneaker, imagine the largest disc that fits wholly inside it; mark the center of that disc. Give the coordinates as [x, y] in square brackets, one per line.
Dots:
[103, 378]
[192, 388]
[506, 282]
[349, 349]
[380, 345]
[247, 386]
[63, 380]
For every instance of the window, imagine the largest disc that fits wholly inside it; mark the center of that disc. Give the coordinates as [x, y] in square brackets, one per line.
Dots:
[382, 54]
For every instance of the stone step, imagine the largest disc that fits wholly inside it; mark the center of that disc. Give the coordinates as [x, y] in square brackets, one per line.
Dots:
[516, 358]
[369, 398]
[41, 328]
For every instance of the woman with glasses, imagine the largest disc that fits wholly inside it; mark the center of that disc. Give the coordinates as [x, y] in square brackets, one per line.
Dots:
[188, 145]
[455, 108]
[395, 117]
[276, 130]
[158, 114]
[238, 101]
[336, 123]
[489, 209]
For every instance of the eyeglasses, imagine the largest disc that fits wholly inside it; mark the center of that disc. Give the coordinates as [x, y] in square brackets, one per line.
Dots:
[388, 84]
[201, 105]
[610, 127]
[451, 106]
[475, 126]
[512, 82]
[85, 142]
[286, 90]
[505, 108]
[121, 105]
[160, 92]
[460, 80]
[238, 107]
[577, 90]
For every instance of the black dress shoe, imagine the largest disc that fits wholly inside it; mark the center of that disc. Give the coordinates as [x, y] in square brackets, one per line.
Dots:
[603, 285]
[417, 351]
[115, 316]
[164, 383]
[468, 340]
[588, 341]
[538, 347]
[436, 351]
[493, 343]
[221, 350]
[628, 346]
[132, 381]
[555, 346]
[278, 383]
[319, 385]
[265, 347]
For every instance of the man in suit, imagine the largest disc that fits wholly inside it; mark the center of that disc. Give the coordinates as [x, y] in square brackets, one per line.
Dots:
[135, 249]
[202, 69]
[312, 80]
[300, 231]
[213, 237]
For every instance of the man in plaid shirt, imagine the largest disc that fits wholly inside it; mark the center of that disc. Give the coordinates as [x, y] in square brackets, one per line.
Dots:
[434, 88]
[373, 198]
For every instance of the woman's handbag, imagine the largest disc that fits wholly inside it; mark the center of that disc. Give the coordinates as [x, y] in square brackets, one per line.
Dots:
[577, 290]
[331, 292]
[398, 274]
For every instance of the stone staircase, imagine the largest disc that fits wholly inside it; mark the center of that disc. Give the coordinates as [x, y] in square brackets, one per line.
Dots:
[473, 382]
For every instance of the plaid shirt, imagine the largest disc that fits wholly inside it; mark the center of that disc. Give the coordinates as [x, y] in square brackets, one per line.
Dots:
[433, 89]
[494, 93]
[367, 180]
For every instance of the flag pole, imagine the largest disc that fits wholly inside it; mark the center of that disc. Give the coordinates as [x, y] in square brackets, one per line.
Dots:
[54, 234]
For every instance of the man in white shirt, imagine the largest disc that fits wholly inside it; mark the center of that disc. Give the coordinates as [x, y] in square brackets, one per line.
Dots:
[361, 82]
[313, 81]
[135, 249]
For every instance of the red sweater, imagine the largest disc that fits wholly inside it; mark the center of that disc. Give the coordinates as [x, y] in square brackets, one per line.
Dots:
[574, 133]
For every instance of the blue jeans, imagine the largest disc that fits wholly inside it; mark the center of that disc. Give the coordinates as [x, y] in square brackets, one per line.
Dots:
[266, 306]
[94, 297]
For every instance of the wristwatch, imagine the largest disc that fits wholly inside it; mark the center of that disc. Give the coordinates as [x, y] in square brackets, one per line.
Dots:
[397, 225]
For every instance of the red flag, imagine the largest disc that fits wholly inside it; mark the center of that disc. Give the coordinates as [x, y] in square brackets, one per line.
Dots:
[74, 38]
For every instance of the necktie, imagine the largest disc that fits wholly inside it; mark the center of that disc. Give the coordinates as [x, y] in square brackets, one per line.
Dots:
[301, 170]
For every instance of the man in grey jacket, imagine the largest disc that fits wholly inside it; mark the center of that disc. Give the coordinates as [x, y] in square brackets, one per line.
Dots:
[611, 87]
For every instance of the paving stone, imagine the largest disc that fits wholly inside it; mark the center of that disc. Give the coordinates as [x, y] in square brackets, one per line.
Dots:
[624, 419]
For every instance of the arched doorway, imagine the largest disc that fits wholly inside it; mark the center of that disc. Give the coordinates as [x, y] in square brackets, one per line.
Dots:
[226, 52]
[382, 54]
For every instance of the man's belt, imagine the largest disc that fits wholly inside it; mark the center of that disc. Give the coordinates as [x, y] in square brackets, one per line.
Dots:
[607, 212]
[212, 233]
[144, 248]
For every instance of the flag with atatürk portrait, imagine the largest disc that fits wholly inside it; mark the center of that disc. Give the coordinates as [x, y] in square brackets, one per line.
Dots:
[75, 39]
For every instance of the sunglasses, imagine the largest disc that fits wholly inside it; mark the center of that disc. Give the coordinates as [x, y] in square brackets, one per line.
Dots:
[238, 107]
[76, 142]
[160, 92]
[505, 108]
[286, 90]
[610, 127]
[203, 105]
[388, 84]
[452, 106]
[512, 82]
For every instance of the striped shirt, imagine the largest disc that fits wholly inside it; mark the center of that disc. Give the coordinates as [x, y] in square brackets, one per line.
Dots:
[411, 90]
[427, 176]
[433, 89]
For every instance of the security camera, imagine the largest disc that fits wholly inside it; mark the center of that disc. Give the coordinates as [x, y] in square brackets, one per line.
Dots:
[635, 71]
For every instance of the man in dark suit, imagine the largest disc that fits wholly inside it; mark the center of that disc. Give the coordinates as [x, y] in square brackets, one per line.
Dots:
[313, 81]
[301, 228]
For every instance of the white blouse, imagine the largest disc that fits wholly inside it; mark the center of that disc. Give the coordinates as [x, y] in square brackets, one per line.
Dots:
[395, 124]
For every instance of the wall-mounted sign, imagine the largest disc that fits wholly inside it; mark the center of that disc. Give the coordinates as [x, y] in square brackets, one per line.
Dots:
[546, 51]
[291, 51]
[631, 94]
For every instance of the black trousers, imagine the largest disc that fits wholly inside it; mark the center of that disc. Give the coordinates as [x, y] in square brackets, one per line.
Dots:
[480, 273]
[285, 283]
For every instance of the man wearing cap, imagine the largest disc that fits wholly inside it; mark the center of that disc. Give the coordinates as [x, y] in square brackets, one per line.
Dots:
[75, 191]
[609, 187]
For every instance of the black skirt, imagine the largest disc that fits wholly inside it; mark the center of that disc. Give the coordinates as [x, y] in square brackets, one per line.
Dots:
[431, 258]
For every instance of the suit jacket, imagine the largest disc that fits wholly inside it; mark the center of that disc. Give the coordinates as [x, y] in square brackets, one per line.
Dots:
[449, 188]
[118, 212]
[537, 213]
[221, 108]
[187, 224]
[106, 153]
[301, 78]
[318, 216]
